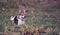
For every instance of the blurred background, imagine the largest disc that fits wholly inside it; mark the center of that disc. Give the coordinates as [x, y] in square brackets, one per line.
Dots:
[39, 13]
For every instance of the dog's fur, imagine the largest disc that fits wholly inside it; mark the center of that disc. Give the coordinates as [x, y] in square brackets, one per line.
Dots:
[18, 20]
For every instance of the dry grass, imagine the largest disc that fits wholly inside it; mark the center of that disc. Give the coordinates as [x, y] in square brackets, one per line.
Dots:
[37, 15]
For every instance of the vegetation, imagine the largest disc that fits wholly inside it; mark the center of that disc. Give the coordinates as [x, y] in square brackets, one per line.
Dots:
[41, 16]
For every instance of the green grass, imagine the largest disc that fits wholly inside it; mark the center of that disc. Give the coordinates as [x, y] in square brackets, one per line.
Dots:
[31, 20]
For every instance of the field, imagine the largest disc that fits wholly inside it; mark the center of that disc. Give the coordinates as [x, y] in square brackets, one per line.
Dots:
[39, 16]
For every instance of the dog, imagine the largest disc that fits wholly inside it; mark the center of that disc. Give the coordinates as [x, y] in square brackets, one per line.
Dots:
[18, 20]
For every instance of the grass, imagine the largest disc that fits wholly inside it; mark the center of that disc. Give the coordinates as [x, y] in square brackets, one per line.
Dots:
[33, 20]
[5, 17]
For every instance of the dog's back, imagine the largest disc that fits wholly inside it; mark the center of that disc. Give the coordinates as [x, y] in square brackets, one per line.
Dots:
[16, 20]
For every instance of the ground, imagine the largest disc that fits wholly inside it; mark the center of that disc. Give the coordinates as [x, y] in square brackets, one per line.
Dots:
[38, 13]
